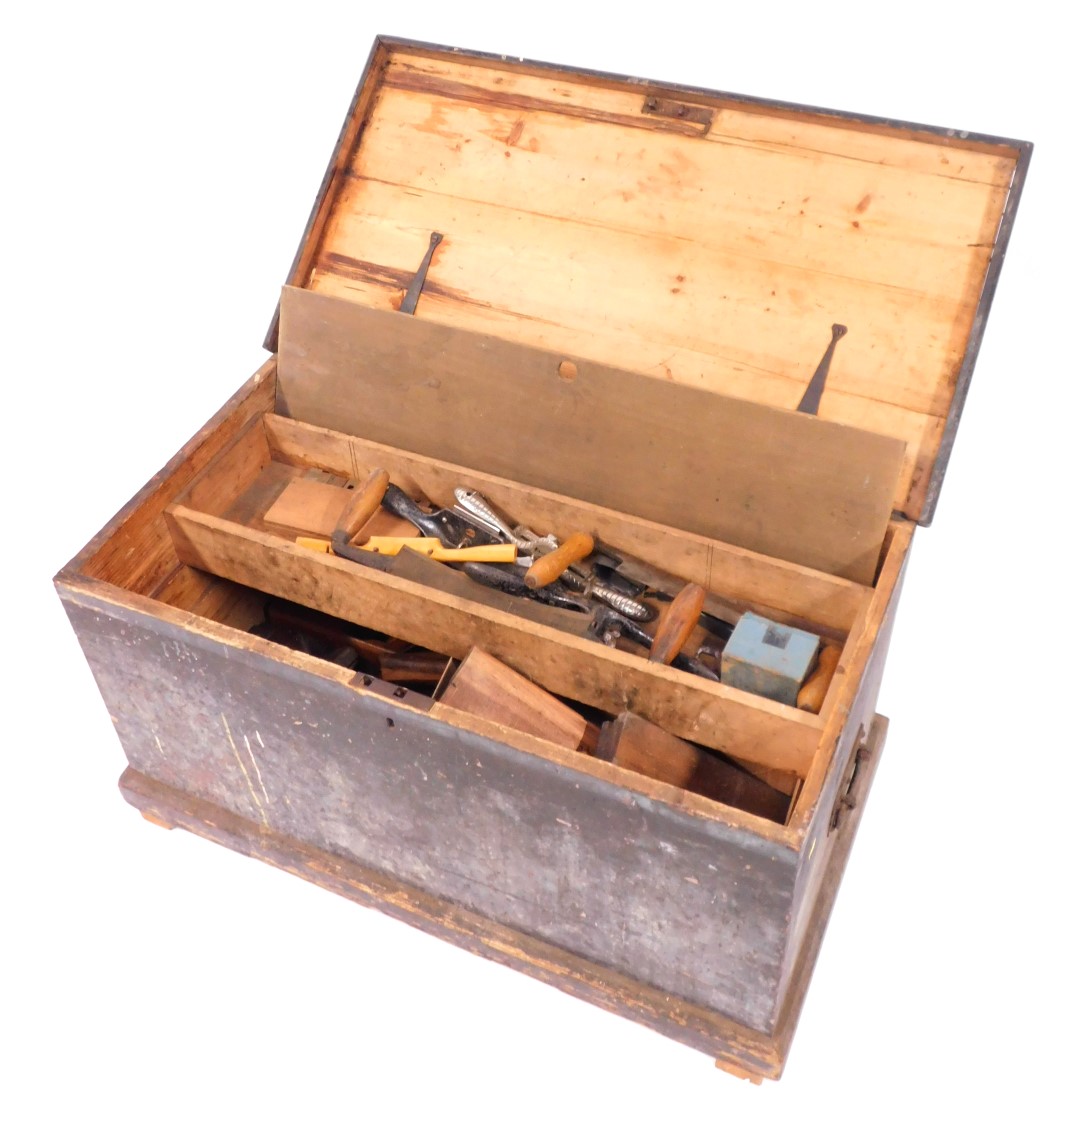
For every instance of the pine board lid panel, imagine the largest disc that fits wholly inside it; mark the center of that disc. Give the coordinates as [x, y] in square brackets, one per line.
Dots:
[701, 238]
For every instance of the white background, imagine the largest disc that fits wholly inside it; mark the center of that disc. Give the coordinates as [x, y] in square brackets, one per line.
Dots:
[160, 165]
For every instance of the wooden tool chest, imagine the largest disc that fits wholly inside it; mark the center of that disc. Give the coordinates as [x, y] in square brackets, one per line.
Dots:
[728, 337]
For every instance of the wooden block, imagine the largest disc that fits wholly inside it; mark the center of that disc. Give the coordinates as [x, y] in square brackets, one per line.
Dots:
[310, 507]
[635, 744]
[486, 687]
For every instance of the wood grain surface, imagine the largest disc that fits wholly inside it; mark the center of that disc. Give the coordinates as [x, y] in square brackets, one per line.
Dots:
[789, 485]
[713, 250]
[486, 687]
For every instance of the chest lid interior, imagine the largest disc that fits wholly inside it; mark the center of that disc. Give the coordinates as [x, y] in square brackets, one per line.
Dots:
[703, 240]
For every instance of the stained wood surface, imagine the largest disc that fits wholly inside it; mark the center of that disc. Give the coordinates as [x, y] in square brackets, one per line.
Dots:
[502, 831]
[786, 485]
[737, 1049]
[192, 591]
[703, 711]
[486, 687]
[633, 743]
[307, 506]
[788, 593]
[713, 251]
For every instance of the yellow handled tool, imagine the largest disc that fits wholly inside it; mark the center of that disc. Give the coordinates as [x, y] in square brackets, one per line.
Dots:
[392, 546]
[435, 549]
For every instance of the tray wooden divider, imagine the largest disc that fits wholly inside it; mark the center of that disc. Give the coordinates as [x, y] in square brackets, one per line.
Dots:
[790, 593]
[745, 725]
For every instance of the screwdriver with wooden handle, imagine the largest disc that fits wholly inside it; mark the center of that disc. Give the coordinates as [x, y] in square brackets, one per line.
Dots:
[549, 568]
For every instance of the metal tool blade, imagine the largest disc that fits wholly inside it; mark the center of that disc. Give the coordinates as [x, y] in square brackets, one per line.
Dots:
[450, 528]
[621, 570]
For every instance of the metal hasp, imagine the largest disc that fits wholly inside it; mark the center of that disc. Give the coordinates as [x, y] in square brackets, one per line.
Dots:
[681, 112]
[816, 387]
[408, 305]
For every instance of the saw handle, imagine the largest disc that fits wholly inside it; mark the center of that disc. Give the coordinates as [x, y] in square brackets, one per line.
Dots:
[361, 506]
[552, 565]
[677, 623]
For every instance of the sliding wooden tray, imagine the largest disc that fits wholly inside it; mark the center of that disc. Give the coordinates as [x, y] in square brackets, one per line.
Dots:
[658, 415]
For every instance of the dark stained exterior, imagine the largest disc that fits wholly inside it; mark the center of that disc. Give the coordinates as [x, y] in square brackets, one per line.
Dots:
[694, 908]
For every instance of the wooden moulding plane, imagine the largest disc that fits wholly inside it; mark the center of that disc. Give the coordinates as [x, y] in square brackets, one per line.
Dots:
[626, 363]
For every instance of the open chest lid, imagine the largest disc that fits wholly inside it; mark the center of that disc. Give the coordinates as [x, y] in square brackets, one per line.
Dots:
[705, 239]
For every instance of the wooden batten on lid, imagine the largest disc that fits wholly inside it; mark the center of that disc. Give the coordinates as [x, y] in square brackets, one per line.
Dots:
[634, 287]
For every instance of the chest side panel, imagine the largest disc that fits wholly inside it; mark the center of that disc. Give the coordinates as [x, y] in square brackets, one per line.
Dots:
[695, 909]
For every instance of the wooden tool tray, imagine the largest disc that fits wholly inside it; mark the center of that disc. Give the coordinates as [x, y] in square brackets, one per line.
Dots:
[624, 360]
[217, 527]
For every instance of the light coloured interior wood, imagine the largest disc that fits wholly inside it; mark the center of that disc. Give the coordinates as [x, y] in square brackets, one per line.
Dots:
[789, 485]
[212, 597]
[716, 255]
